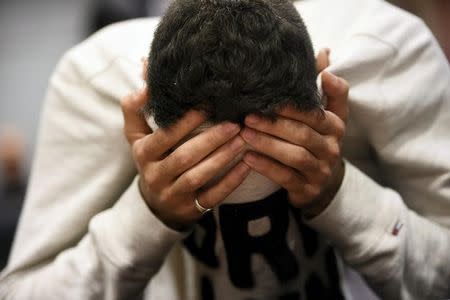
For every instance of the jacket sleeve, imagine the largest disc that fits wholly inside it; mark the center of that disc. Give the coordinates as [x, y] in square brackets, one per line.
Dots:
[85, 231]
[397, 234]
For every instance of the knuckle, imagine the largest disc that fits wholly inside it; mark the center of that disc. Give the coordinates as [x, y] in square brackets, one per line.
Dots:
[151, 178]
[138, 152]
[340, 129]
[303, 135]
[313, 191]
[334, 151]
[193, 182]
[345, 87]
[183, 160]
[296, 199]
[325, 170]
[166, 195]
[295, 160]
[161, 137]
[127, 103]
[287, 178]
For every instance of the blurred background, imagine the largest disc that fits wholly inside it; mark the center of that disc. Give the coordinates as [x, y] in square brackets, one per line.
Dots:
[33, 36]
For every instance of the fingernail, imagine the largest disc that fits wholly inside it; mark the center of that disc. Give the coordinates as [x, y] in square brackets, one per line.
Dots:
[252, 119]
[243, 168]
[249, 134]
[237, 143]
[249, 158]
[231, 128]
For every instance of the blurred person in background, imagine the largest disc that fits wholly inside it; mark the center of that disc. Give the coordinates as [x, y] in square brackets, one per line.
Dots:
[436, 13]
[12, 186]
[106, 12]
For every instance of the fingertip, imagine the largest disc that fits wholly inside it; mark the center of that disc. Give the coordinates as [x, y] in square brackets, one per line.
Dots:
[285, 110]
[243, 168]
[191, 120]
[337, 91]
[252, 119]
[322, 59]
[140, 97]
[134, 102]
[196, 115]
[250, 159]
[128, 103]
[333, 84]
[144, 71]
[324, 51]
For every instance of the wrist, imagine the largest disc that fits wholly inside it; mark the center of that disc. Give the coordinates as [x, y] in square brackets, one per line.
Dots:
[323, 201]
[177, 226]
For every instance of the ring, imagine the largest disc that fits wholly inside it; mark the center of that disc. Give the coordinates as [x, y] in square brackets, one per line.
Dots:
[200, 208]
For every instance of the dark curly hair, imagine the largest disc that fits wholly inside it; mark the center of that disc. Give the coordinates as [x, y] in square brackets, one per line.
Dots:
[230, 58]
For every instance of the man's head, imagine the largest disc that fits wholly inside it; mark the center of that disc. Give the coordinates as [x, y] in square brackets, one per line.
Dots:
[230, 58]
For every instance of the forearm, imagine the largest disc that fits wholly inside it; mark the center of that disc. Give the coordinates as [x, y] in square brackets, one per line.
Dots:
[123, 249]
[401, 255]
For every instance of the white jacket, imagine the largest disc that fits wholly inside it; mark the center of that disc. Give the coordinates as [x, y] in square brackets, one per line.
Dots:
[86, 233]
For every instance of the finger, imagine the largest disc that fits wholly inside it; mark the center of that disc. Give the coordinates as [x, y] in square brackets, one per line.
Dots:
[198, 147]
[286, 153]
[135, 126]
[300, 190]
[336, 89]
[324, 122]
[215, 194]
[163, 139]
[283, 175]
[202, 173]
[144, 72]
[322, 60]
[292, 131]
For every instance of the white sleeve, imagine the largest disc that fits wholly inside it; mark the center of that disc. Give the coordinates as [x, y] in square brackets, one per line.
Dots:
[397, 236]
[85, 232]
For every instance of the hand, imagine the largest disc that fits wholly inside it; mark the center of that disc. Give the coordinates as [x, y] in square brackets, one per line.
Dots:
[301, 151]
[170, 181]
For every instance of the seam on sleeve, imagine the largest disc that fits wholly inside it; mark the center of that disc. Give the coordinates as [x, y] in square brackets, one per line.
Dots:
[378, 39]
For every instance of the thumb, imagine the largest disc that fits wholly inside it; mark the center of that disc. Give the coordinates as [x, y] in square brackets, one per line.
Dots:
[135, 126]
[323, 59]
[336, 89]
[144, 71]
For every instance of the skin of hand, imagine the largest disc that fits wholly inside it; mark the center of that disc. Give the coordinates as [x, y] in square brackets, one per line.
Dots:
[301, 151]
[170, 180]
